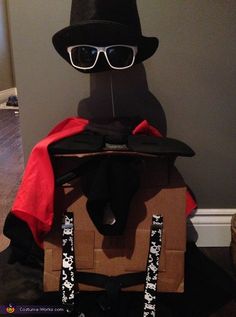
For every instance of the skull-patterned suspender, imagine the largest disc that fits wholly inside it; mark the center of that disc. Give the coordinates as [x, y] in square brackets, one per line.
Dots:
[68, 265]
[150, 289]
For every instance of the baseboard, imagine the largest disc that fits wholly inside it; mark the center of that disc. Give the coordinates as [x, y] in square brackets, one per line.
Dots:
[211, 227]
[4, 94]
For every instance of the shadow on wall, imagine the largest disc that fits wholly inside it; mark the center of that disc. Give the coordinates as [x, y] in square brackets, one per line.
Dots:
[123, 93]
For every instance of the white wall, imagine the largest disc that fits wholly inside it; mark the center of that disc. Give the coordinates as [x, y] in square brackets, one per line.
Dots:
[6, 77]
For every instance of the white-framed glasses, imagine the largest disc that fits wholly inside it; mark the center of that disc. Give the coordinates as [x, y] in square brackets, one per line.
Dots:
[117, 56]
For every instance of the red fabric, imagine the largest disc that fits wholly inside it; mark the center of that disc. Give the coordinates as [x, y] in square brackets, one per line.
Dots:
[145, 128]
[191, 203]
[34, 202]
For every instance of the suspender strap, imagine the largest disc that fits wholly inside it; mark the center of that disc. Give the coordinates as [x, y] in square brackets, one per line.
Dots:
[100, 280]
[150, 289]
[109, 300]
[68, 265]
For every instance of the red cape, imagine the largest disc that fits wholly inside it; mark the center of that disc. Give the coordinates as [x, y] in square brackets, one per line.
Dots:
[34, 202]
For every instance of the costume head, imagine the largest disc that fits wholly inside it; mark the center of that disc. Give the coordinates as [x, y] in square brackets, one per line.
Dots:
[103, 23]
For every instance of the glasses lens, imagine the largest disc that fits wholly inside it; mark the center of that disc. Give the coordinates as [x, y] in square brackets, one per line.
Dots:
[84, 56]
[120, 56]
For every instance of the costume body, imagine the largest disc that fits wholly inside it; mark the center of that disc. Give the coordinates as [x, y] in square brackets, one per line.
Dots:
[34, 202]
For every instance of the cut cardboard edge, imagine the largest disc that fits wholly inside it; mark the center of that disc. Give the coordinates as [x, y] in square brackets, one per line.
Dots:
[4, 242]
[104, 153]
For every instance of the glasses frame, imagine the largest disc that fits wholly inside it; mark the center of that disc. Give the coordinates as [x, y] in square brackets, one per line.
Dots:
[103, 50]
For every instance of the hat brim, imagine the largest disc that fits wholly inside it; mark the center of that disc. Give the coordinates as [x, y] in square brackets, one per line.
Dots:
[103, 33]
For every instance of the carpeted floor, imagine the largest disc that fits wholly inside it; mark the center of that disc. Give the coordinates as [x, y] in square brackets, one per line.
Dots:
[209, 291]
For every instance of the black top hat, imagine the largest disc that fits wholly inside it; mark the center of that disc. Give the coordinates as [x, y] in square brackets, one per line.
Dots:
[103, 23]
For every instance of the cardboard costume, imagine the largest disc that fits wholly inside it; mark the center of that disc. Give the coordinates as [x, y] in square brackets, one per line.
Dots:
[34, 203]
[105, 34]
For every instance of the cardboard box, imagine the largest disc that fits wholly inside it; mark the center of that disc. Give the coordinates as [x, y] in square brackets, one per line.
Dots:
[162, 191]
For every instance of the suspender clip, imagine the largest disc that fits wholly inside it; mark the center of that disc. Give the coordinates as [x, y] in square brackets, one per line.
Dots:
[156, 226]
[68, 308]
[67, 226]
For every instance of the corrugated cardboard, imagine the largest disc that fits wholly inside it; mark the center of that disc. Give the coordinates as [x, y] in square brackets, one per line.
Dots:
[162, 191]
